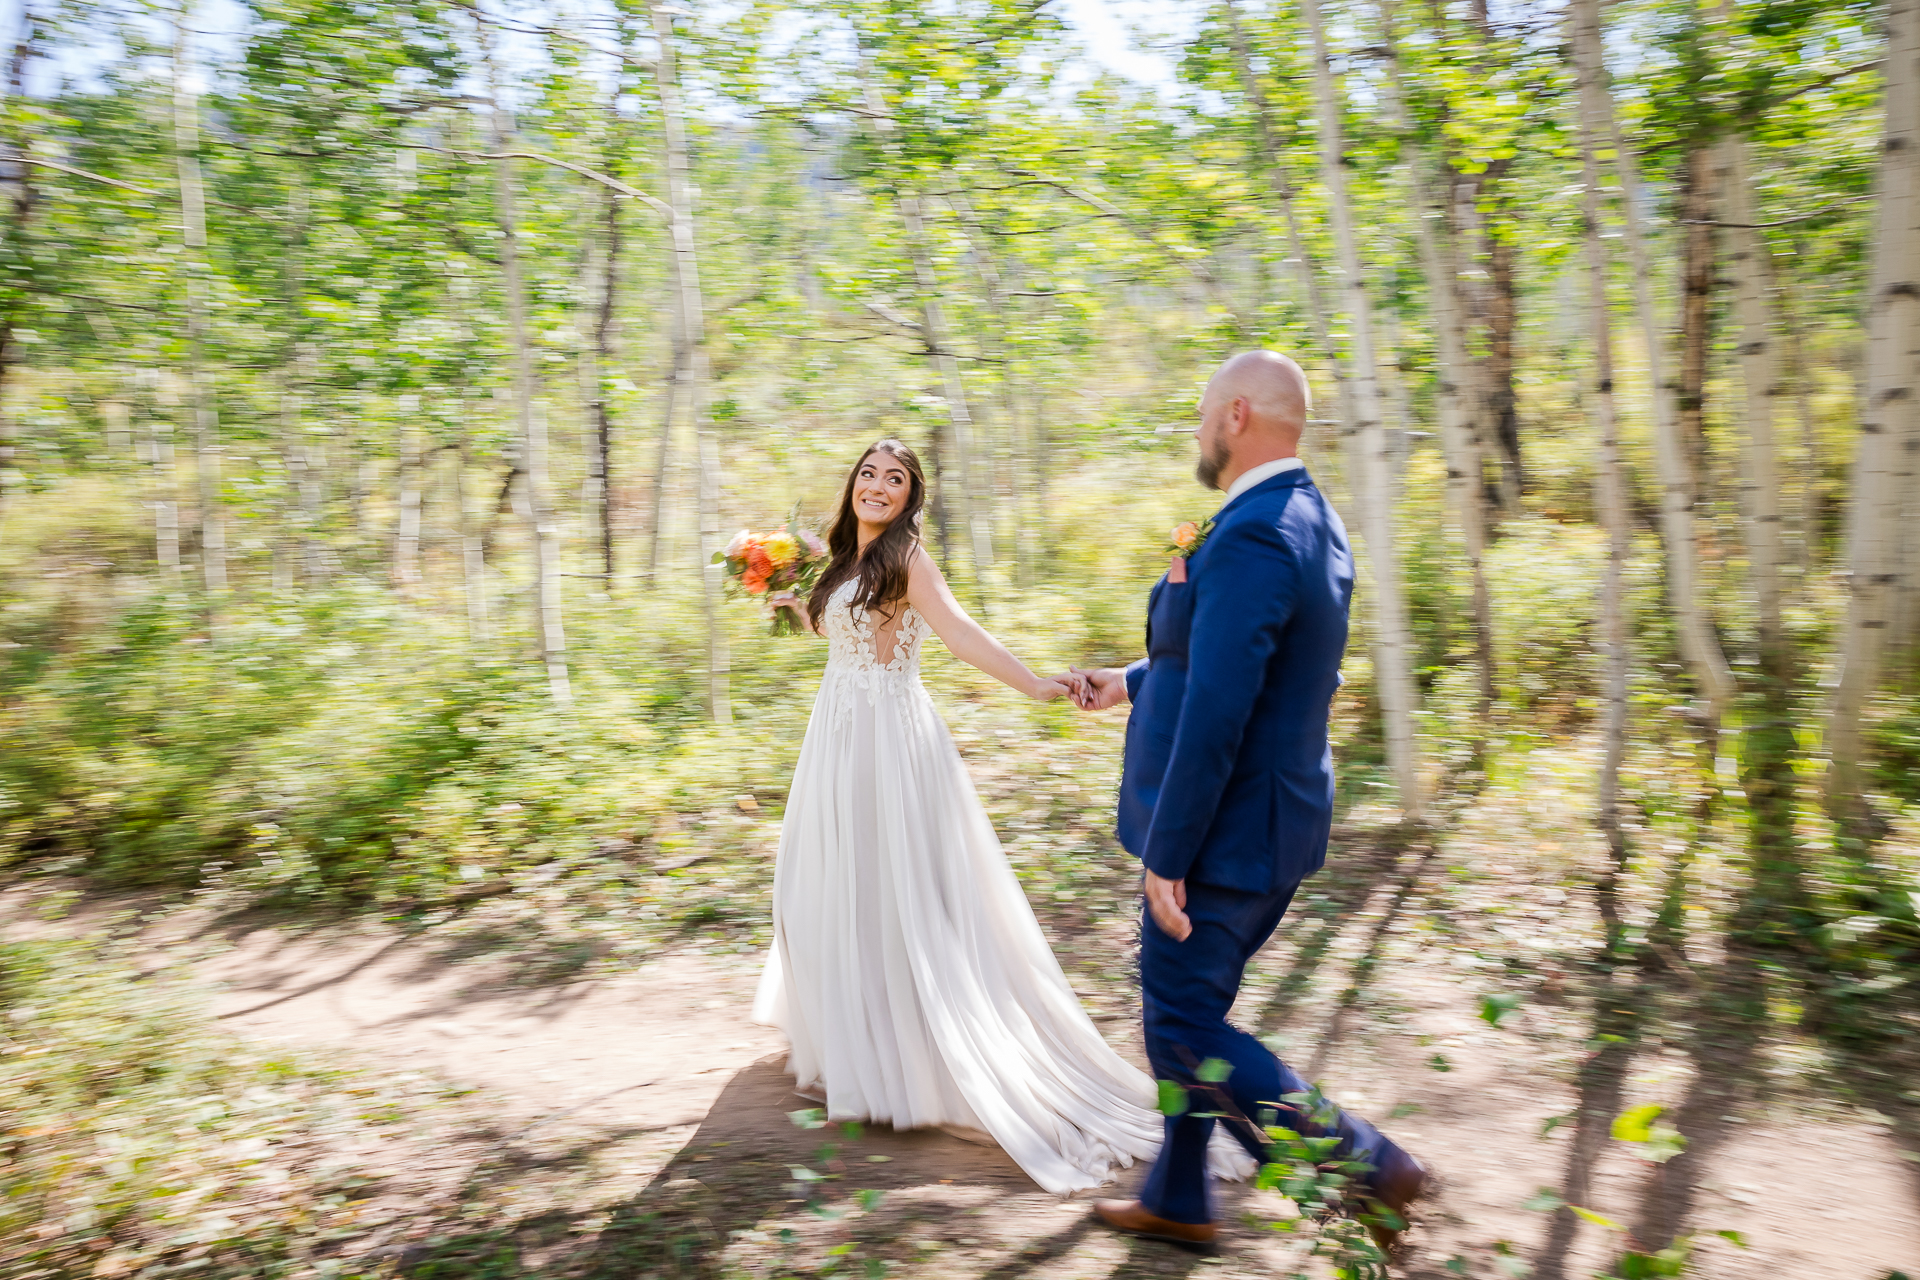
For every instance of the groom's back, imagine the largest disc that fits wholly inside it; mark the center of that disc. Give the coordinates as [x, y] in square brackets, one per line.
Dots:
[1229, 775]
[1287, 732]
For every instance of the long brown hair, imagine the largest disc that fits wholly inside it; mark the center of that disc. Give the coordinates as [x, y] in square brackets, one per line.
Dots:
[882, 568]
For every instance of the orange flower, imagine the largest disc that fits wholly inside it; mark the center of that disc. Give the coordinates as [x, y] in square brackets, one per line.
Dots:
[759, 565]
[755, 583]
[1184, 533]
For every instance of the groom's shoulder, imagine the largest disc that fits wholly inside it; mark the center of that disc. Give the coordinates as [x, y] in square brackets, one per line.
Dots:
[1277, 506]
[1255, 527]
[1291, 520]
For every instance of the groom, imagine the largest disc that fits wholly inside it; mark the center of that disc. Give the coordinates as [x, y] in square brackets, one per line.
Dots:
[1227, 794]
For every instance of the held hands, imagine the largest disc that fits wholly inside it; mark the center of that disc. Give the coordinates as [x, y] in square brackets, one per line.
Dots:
[1103, 688]
[1070, 685]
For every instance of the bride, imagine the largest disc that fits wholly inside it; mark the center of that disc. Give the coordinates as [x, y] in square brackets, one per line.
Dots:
[908, 972]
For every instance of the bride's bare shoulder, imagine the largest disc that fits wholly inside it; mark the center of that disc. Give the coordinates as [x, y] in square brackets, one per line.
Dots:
[922, 570]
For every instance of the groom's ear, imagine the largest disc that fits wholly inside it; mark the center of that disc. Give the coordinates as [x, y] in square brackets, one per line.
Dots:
[1239, 413]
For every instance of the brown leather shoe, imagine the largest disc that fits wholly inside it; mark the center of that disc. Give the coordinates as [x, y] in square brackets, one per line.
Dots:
[1130, 1217]
[1393, 1189]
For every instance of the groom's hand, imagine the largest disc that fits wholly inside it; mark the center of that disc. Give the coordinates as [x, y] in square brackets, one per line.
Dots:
[1167, 900]
[1106, 687]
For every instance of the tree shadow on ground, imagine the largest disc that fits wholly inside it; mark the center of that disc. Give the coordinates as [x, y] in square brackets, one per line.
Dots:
[733, 1174]
[724, 1200]
[1360, 876]
[1601, 1084]
[1360, 976]
[1729, 1015]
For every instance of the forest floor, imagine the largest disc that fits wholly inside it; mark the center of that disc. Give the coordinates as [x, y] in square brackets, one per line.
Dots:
[555, 1101]
[639, 1123]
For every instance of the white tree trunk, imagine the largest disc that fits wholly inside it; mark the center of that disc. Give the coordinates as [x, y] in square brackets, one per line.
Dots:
[406, 540]
[294, 454]
[973, 504]
[1368, 449]
[693, 330]
[1584, 17]
[1699, 645]
[1459, 443]
[596, 359]
[1019, 449]
[473, 548]
[193, 238]
[549, 631]
[165, 482]
[1874, 566]
[1760, 379]
[1319, 313]
[663, 448]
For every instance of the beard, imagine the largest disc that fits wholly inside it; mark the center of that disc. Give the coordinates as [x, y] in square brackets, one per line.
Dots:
[1212, 462]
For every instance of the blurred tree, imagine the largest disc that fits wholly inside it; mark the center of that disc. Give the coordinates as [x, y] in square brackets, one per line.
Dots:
[1882, 510]
[1584, 40]
[1369, 452]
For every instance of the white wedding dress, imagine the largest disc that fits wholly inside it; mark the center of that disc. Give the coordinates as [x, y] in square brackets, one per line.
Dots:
[907, 971]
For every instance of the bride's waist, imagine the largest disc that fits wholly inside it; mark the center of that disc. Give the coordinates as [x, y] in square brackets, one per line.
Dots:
[861, 670]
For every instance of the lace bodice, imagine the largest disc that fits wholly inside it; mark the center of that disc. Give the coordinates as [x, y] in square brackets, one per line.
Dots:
[859, 641]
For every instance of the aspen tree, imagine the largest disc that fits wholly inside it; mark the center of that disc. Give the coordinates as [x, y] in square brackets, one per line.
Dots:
[596, 360]
[1760, 379]
[974, 510]
[973, 503]
[1459, 443]
[1019, 447]
[1369, 451]
[549, 632]
[1319, 312]
[694, 361]
[1699, 645]
[1874, 567]
[193, 242]
[1584, 17]
[663, 443]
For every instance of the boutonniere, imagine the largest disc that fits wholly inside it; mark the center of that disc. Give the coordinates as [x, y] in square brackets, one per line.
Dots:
[1187, 537]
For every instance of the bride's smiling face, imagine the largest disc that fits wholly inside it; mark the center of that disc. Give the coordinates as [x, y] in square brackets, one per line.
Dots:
[880, 491]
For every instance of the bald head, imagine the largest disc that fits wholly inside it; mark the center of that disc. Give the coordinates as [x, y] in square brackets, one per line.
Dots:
[1253, 411]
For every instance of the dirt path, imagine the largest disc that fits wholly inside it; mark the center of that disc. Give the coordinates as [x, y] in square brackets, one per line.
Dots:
[670, 1109]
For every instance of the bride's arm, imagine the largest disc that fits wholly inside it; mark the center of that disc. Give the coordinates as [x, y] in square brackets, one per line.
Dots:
[966, 639]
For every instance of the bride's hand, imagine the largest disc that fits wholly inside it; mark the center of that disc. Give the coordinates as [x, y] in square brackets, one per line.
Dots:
[1047, 690]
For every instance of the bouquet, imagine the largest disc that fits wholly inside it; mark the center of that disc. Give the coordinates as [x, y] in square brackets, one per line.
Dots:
[784, 562]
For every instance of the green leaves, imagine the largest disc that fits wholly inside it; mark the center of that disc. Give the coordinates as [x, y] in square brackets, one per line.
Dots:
[1640, 1126]
[1173, 1098]
[1496, 1008]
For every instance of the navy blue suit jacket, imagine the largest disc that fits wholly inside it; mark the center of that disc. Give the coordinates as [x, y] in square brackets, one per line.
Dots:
[1229, 776]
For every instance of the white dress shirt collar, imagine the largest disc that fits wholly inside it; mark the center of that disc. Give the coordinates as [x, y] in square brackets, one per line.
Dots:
[1261, 474]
